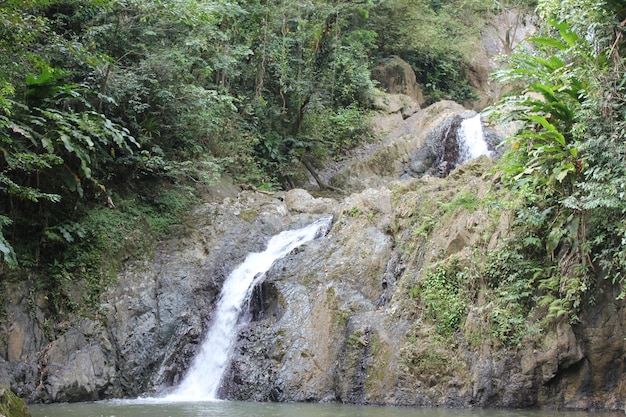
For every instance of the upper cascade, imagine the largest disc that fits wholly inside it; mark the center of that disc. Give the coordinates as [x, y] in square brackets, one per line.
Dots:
[471, 138]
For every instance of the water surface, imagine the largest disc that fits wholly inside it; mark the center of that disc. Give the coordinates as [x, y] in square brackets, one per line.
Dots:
[243, 409]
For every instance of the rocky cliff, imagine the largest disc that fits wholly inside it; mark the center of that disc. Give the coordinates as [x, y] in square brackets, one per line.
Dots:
[340, 322]
[411, 299]
[350, 318]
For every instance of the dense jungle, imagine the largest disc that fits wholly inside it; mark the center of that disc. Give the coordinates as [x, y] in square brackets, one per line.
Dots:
[147, 145]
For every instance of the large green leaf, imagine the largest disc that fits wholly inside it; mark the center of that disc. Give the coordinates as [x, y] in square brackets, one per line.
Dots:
[551, 42]
[550, 128]
[566, 32]
[546, 91]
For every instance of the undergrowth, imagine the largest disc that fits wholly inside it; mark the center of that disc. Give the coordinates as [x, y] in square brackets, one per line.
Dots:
[82, 258]
[487, 294]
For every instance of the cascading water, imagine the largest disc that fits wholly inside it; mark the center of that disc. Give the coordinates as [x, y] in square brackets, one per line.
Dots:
[471, 139]
[203, 378]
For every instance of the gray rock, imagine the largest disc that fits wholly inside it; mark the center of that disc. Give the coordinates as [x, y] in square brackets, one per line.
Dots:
[300, 201]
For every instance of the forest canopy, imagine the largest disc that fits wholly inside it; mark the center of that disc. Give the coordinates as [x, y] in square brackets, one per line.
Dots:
[99, 97]
[112, 112]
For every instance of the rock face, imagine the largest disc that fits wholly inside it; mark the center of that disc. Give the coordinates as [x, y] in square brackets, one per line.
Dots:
[78, 370]
[339, 318]
[503, 33]
[22, 339]
[423, 144]
[339, 324]
[150, 323]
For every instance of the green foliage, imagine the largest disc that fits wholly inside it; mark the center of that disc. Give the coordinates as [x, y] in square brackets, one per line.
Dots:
[422, 355]
[466, 200]
[546, 163]
[11, 404]
[355, 211]
[336, 131]
[102, 98]
[512, 274]
[343, 316]
[437, 38]
[565, 161]
[444, 294]
[549, 162]
[8, 254]
[424, 227]
[442, 74]
[91, 251]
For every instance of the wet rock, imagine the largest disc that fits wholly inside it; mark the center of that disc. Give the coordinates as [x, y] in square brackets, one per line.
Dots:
[293, 356]
[84, 377]
[79, 366]
[411, 148]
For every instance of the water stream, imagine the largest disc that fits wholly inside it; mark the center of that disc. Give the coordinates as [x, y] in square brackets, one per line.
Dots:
[203, 378]
[471, 139]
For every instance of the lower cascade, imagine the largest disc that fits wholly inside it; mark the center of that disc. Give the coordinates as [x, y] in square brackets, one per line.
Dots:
[471, 139]
[203, 378]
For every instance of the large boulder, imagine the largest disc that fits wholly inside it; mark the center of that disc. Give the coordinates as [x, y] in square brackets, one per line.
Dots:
[80, 369]
[395, 76]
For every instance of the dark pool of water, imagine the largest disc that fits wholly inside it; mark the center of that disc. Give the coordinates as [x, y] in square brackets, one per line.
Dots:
[159, 408]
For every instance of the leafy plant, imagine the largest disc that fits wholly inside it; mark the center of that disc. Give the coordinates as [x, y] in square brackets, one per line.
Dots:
[466, 200]
[355, 211]
[511, 273]
[554, 161]
[443, 293]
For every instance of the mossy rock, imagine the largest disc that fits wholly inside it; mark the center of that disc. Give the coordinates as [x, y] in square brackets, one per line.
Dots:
[11, 405]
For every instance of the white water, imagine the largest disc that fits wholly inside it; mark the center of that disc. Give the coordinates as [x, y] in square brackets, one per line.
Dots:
[472, 139]
[203, 378]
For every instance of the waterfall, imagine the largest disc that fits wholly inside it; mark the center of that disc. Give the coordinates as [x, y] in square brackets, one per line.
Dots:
[203, 378]
[471, 140]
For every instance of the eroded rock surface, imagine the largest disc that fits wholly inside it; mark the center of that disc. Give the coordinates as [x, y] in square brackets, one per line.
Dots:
[343, 326]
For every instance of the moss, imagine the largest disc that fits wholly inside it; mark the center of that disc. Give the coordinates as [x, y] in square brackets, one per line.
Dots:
[342, 317]
[248, 215]
[427, 355]
[11, 405]
[380, 357]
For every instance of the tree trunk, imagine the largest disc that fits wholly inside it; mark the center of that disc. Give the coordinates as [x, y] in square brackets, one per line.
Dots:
[306, 161]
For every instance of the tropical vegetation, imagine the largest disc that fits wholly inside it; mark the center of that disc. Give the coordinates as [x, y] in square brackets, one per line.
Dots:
[563, 175]
[115, 113]
[566, 162]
